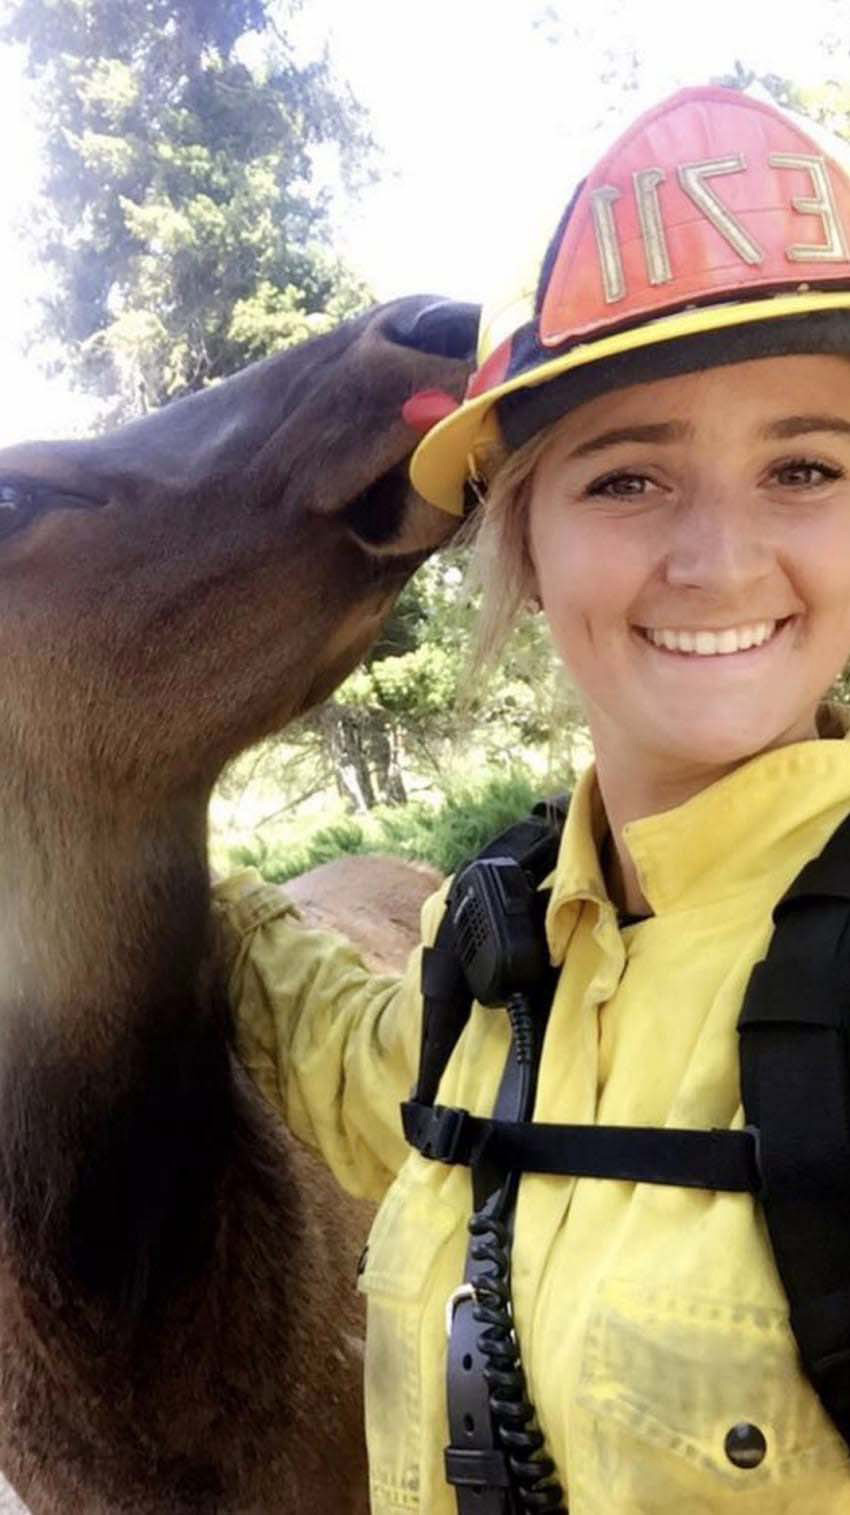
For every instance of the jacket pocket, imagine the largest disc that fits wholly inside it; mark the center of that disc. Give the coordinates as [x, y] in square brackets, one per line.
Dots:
[686, 1402]
[409, 1231]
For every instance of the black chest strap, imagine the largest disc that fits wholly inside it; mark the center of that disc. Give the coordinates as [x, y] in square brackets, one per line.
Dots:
[639, 1154]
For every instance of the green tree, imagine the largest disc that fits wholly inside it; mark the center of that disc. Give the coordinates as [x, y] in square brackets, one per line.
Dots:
[826, 103]
[417, 707]
[178, 217]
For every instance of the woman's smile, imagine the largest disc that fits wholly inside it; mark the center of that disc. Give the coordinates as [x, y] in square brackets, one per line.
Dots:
[709, 643]
[735, 647]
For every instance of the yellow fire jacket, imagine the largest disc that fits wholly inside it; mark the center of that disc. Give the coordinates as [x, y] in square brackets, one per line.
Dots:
[651, 1319]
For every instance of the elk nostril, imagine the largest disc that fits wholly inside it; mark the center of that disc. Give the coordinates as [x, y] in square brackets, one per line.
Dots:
[376, 516]
[446, 328]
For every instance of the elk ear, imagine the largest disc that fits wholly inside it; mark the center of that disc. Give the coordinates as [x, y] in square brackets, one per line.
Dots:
[345, 430]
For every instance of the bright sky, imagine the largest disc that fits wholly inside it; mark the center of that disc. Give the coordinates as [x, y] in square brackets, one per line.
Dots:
[487, 112]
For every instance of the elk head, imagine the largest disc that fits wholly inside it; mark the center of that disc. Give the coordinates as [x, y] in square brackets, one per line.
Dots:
[178, 588]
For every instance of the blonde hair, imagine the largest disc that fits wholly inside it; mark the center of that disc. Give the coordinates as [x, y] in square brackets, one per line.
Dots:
[501, 562]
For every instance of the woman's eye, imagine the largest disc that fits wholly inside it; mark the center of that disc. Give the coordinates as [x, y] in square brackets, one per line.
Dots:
[620, 486]
[804, 472]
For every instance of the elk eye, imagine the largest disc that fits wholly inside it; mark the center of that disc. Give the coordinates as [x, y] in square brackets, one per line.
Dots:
[13, 497]
[21, 502]
[17, 507]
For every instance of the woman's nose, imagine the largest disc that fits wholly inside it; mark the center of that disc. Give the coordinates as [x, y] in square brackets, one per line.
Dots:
[718, 546]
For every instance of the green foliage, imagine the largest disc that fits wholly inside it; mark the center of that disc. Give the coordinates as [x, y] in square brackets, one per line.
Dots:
[419, 690]
[186, 237]
[469, 816]
[826, 103]
[327, 843]
[271, 318]
[179, 218]
[414, 684]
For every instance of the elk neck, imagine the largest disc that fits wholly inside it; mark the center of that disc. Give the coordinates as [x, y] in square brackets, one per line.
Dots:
[114, 1076]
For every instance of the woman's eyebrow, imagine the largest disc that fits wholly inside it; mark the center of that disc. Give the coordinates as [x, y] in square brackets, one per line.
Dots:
[656, 431]
[795, 426]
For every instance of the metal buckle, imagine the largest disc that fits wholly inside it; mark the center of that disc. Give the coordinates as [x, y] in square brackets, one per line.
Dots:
[464, 1291]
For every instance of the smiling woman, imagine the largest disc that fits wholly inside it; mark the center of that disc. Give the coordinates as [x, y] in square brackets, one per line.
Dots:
[724, 611]
[660, 436]
[663, 436]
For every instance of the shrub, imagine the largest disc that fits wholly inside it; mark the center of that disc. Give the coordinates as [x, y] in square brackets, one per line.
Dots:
[277, 864]
[469, 816]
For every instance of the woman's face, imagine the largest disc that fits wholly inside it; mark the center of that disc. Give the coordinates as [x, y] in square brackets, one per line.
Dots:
[691, 540]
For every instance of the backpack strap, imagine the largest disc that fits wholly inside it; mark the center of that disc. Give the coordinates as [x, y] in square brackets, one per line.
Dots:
[795, 1082]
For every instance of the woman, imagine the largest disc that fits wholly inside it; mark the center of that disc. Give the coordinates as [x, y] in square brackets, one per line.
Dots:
[664, 433]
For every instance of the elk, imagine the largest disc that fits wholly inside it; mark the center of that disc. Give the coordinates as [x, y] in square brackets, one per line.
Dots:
[177, 1325]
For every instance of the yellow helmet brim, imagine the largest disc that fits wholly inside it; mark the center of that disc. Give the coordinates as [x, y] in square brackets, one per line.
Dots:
[469, 441]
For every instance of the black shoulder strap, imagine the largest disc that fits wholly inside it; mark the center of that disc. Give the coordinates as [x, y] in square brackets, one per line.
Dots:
[795, 1082]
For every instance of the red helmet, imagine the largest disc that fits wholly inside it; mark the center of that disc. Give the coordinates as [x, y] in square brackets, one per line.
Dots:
[714, 230]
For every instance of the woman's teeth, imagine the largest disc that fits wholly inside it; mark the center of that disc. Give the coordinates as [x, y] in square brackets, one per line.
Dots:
[710, 643]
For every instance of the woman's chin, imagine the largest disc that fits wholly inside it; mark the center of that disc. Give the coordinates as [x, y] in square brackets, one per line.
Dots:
[700, 737]
[724, 749]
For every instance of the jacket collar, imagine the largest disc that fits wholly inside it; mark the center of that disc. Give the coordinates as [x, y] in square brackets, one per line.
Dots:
[748, 834]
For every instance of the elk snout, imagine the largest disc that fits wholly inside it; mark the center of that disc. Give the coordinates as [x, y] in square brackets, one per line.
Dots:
[446, 328]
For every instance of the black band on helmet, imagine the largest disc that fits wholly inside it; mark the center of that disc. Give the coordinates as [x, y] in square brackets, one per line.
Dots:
[524, 412]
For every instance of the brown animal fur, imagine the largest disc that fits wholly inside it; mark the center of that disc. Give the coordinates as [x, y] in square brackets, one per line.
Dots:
[176, 1304]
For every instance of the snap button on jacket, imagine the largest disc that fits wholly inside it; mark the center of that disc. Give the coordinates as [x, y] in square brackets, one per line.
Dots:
[652, 1322]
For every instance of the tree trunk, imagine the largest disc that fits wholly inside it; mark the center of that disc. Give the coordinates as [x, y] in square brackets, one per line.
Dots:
[342, 731]
[381, 741]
